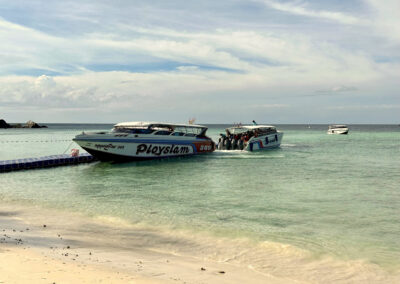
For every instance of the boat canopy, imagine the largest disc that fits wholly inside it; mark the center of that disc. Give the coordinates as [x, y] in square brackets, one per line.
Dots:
[184, 128]
[337, 126]
[245, 128]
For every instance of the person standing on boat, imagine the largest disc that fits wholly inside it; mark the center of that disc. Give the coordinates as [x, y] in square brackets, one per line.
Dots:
[235, 142]
[241, 142]
[221, 142]
[228, 143]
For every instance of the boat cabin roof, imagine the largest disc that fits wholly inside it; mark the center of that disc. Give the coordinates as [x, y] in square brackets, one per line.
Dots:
[338, 126]
[245, 128]
[146, 124]
[161, 127]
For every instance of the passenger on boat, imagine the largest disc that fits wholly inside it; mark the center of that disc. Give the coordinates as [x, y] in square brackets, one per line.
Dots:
[228, 145]
[224, 143]
[235, 142]
[221, 141]
[241, 143]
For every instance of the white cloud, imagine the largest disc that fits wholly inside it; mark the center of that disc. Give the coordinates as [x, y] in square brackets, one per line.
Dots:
[264, 61]
[365, 107]
[338, 89]
[45, 82]
[386, 18]
[266, 56]
[300, 8]
[24, 48]
[187, 68]
[214, 65]
[271, 106]
[383, 19]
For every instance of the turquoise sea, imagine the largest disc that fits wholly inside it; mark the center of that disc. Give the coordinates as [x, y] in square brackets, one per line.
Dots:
[335, 196]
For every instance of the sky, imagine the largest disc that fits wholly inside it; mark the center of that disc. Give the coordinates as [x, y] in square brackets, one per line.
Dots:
[226, 61]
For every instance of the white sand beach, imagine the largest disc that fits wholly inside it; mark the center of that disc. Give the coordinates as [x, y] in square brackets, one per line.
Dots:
[43, 246]
[49, 246]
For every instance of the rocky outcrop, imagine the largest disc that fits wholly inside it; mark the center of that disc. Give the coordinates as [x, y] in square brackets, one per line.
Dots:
[32, 124]
[29, 124]
[4, 124]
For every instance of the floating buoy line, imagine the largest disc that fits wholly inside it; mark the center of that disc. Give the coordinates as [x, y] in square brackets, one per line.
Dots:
[35, 141]
[46, 162]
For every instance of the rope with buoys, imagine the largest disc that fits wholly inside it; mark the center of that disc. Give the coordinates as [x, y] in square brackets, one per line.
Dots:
[68, 147]
[36, 141]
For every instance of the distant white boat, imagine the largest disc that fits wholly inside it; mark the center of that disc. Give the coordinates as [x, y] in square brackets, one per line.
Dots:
[146, 140]
[338, 129]
[250, 138]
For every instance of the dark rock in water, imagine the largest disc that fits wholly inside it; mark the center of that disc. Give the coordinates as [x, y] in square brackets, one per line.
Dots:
[32, 124]
[4, 124]
[29, 124]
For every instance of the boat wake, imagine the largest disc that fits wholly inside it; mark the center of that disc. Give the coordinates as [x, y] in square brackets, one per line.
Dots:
[288, 145]
[239, 154]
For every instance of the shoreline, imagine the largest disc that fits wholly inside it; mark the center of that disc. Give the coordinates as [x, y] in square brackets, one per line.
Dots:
[84, 250]
[66, 247]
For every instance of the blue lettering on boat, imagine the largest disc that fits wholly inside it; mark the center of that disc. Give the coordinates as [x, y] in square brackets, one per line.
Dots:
[158, 150]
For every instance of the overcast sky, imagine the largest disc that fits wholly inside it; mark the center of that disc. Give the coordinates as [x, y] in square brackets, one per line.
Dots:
[218, 61]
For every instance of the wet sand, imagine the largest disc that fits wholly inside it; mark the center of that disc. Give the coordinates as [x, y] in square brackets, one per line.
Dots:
[45, 246]
[50, 246]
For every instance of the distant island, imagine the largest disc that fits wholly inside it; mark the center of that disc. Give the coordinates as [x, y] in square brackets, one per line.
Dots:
[29, 124]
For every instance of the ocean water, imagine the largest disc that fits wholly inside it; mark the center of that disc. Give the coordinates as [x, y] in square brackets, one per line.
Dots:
[334, 196]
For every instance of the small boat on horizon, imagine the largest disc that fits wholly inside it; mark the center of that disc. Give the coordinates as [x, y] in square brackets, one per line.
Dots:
[250, 138]
[338, 129]
[146, 140]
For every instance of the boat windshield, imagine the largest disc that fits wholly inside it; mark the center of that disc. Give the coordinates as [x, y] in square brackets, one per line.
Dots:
[187, 130]
[259, 130]
[337, 126]
[162, 129]
[132, 130]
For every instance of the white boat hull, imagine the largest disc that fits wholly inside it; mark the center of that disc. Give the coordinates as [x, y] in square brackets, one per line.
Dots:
[142, 149]
[264, 142]
[338, 131]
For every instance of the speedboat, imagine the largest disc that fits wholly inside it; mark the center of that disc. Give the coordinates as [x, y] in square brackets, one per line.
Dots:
[250, 138]
[146, 140]
[338, 129]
